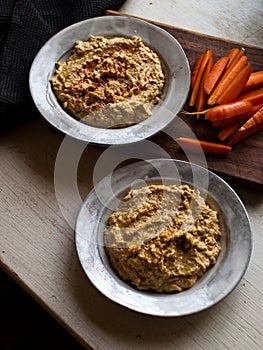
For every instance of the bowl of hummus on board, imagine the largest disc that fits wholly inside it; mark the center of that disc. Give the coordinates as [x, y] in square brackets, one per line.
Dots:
[110, 80]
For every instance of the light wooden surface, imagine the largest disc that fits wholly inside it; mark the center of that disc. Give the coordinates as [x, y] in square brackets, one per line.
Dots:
[37, 243]
[236, 20]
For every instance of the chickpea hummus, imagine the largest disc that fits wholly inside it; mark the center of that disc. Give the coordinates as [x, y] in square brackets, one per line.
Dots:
[109, 82]
[162, 238]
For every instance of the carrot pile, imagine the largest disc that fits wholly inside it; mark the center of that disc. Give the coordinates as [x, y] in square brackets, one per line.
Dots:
[230, 95]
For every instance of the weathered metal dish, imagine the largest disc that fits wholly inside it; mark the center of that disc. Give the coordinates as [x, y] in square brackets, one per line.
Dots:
[58, 48]
[216, 283]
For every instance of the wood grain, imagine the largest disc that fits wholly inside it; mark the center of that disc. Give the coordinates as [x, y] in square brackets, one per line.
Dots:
[245, 160]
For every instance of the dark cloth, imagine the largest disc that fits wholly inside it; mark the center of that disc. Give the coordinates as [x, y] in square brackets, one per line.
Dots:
[25, 25]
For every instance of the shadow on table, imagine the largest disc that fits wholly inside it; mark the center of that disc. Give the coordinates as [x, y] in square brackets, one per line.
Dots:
[26, 325]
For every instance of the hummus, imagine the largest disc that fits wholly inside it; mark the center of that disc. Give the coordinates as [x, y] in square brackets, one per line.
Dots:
[162, 238]
[109, 82]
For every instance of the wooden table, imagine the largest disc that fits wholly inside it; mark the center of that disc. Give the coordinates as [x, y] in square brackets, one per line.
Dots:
[37, 244]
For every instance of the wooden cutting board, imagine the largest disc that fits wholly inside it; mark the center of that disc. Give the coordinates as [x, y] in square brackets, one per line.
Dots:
[245, 160]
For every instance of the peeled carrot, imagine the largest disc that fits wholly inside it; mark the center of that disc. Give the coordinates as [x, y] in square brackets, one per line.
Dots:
[201, 94]
[255, 79]
[198, 79]
[234, 56]
[226, 79]
[237, 119]
[232, 53]
[256, 108]
[254, 96]
[195, 70]
[240, 118]
[228, 110]
[254, 124]
[194, 145]
[229, 130]
[235, 87]
[215, 74]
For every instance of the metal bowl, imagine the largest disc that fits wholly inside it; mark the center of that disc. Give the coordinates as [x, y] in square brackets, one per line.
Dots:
[213, 286]
[175, 64]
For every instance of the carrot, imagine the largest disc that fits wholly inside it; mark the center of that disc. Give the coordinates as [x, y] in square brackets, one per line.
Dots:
[256, 108]
[228, 110]
[252, 125]
[215, 74]
[195, 70]
[194, 145]
[201, 94]
[254, 96]
[204, 61]
[229, 130]
[235, 87]
[236, 119]
[255, 79]
[240, 118]
[234, 56]
[226, 79]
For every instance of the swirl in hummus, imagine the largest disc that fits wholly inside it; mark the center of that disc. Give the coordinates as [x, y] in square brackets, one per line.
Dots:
[109, 82]
[162, 238]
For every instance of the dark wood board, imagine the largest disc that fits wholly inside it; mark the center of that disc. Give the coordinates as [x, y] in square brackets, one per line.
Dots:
[245, 160]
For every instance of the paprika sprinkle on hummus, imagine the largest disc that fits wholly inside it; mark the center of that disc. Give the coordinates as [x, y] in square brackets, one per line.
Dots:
[162, 238]
[109, 82]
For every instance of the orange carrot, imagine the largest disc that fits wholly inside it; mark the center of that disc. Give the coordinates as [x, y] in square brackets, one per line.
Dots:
[254, 124]
[229, 130]
[228, 110]
[201, 94]
[255, 79]
[236, 119]
[195, 70]
[235, 87]
[234, 56]
[256, 108]
[194, 145]
[240, 118]
[198, 79]
[226, 79]
[215, 74]
[254, 96]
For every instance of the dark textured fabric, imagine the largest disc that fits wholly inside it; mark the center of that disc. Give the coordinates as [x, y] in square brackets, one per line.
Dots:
[25, 25]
